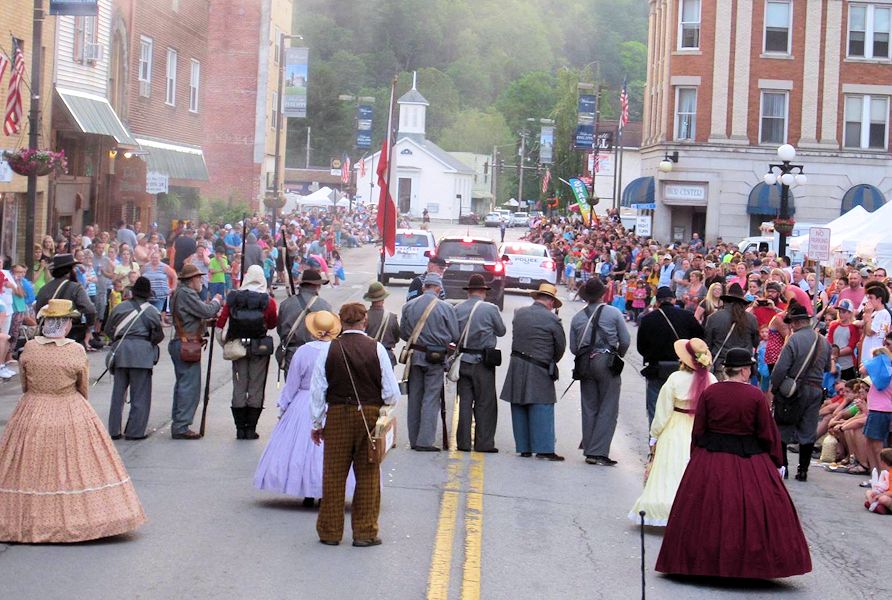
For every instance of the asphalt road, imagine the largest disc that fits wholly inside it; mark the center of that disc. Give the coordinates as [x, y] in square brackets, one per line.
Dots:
[454, 525]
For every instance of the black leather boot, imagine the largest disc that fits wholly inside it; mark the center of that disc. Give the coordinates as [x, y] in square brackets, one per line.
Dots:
[238, 416]
[804, 461]
[252, 415]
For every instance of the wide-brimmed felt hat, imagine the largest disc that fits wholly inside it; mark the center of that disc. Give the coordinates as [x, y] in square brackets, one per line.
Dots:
[734, 294]
[739, 357]
[593, 290]
[58, 308]
[142, 288]
[188, 272]
[664, 292]
[323, 325]
[796, 312]
[546, 289]
[476, 282]
[60, 261]
[312, 277]
[376, 292]
[694, 353]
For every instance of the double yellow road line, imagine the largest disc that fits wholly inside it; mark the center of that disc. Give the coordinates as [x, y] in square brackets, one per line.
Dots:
[441, 560]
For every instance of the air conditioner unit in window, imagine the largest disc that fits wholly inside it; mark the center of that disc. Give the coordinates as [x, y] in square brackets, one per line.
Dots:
[94, 52]
[145, 89]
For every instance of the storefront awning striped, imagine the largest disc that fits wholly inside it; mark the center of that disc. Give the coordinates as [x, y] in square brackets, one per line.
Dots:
[177, 161]
[93, 114]
[864, 195]
[639, 191]
[764, 200]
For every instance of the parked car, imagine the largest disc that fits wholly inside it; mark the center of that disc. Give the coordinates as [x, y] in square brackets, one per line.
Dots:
[528, 265]
[520, 219]
[468, 255]
[469, 219]
[413, 247]
[492, 219]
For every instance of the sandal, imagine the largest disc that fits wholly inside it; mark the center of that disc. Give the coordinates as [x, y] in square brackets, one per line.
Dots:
[857, 469]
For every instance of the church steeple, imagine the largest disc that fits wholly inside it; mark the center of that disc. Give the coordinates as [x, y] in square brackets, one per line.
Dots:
[413, 111]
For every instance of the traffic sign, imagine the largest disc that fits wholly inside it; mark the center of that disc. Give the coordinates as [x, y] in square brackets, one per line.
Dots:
[647, 206]
[819, 243]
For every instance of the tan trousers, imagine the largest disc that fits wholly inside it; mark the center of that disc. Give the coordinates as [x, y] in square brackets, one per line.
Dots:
[346, 444]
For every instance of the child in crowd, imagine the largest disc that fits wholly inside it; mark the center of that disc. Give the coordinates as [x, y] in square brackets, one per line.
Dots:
[218, 271]
[116, 295]
[269, 267]
[846, 426]
[878, 498]
[834, 374]
[337, 268]
[639, 298]
[761, 378]
[235, 271]
[570, 273]
[879, 400]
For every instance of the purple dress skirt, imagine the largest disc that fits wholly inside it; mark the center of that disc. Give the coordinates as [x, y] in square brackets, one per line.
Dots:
[292, 463]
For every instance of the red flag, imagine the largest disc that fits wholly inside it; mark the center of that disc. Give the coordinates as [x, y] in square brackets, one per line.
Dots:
[386, 208]
[362, 167]
[13, 119]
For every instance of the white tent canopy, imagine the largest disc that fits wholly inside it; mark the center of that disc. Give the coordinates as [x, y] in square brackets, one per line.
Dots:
[863, 233]
[321, 198]
[839, 228]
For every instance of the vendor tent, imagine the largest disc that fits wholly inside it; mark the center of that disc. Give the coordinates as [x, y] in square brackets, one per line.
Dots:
[839, 228]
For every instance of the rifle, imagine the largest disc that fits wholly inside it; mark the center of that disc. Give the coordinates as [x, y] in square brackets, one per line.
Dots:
[207, 381]
[443, 417]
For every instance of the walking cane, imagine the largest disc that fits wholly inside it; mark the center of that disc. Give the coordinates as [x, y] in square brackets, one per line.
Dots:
[207, 382]
[643, 583]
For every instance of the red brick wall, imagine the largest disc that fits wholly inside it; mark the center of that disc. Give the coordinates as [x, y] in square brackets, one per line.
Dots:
[230, 100]
[184, 30]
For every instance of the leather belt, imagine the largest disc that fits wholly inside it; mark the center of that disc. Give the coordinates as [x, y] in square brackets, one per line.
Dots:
[530, 359]
[474, 351]
[686, 411]
[350, 400]
[418, 348]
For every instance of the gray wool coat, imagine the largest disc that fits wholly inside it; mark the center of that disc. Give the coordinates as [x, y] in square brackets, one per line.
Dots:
[537, 332]
[138, 349]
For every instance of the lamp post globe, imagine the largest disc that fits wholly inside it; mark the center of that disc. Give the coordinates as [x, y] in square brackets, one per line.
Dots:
[786, 153]
[801, 179]
[665, 166]
[788, 179]
[770, 178]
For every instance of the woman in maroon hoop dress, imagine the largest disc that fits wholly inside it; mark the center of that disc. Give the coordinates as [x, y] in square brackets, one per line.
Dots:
[732, 515]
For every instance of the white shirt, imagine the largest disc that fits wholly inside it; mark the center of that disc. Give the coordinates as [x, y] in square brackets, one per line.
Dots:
[879, 324]
[390, 388]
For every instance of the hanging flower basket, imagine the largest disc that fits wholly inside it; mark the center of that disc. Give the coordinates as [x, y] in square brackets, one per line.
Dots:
[273, 200]
[784, 226]
[36, 162]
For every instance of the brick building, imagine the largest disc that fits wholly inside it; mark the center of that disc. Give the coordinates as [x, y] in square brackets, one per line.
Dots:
[16, 16]
[240, 109]
[728, 81]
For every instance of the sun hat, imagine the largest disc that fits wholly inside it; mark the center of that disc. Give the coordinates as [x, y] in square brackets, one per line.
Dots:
[476, 282]
[323, 325]
[376, 292]
[58, 308]
[694, 353]
[546, 289]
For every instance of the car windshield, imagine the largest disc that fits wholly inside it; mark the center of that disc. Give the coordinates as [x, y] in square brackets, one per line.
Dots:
[412, 240]
[524, 250]
[462, 249]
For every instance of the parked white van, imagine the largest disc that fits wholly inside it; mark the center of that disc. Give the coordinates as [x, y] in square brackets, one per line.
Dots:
[413, 247]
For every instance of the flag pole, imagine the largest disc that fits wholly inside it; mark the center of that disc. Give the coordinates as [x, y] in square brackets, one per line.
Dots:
[387, 202]
[618, 169]
[34, 129]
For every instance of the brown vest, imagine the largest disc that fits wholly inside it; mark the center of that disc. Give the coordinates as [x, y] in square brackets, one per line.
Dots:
[362, 354]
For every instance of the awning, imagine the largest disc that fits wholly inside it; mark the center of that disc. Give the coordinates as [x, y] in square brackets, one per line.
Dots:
[866, 196]
[177, 161]
[639, 191]
[765, 200]
[93, 114]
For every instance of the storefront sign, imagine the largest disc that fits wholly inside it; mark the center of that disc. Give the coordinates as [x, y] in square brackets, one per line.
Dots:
[642, 225]
[156, 183]
[684, 193]
[78, 8]
[294, 100]
[819, 243]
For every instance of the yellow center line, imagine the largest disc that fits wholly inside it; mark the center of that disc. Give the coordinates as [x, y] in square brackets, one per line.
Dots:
[441, 560]
[470, 589]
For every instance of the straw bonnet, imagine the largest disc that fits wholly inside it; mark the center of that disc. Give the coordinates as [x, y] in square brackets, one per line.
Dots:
[323, 325]
[546, 289]
[57, 308]
[694, 353]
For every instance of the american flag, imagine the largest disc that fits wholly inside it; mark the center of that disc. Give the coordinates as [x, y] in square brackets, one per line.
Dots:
[12, 122]
[596, 163]
[546, 179]
[345, 170]
[624, 106]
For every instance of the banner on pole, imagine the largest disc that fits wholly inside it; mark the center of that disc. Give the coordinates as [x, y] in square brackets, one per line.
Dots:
[586, 111]
[364, 114]
[77, 8]
[546, 145]
[294, 96]
[580, 191]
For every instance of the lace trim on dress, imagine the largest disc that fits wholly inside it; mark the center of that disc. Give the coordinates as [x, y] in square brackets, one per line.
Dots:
[65, 492]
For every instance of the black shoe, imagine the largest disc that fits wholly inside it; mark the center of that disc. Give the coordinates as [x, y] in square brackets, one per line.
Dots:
[526, 454]
[490, 451]
[135, 438]
[309, 503]
[116, 437]
[330, 542]
[549, 456]
[460, 449]
[603, 461]
[186, 435]
[367, 543]
[801, 475]
[426, 449]
[252, 415]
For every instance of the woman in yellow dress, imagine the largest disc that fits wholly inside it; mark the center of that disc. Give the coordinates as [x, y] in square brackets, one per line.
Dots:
[61, 479]
[670, 431]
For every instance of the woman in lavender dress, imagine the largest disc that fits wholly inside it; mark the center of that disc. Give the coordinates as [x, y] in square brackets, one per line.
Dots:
[292, 463]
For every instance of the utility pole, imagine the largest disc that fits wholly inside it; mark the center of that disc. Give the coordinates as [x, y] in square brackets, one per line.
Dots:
[520, 161]
[309, 130]
[494, 182]
[34, 128]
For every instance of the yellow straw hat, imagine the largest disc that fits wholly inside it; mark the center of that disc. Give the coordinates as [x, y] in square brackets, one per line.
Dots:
[323, 325]
[57, 308]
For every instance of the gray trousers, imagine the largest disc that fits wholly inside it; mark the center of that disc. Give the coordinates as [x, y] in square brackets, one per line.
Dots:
[806, 430]
[425, 386]
[186, 390]
[140, 383]
[249, 381]
[477, 398]
[600, 408]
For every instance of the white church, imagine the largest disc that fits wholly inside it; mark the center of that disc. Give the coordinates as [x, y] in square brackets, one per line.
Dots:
[423, 175]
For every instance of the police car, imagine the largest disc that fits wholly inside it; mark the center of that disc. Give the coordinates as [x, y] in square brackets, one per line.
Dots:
[413, 247]
[528, 265]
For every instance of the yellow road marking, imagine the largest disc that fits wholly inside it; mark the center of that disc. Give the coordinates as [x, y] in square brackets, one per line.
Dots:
[470, 589]
[441, 561]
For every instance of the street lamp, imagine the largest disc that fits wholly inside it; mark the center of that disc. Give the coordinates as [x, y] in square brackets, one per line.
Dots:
[788, 175]
[278, 191]
[668, 160]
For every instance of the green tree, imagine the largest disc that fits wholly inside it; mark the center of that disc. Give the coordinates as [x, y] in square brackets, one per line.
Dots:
[476, 131]
[529, 97]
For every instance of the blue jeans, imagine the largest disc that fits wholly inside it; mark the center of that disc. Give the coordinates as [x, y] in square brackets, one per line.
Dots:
[158, 303]
[203, 294]
[217, 288]
[533, 426]
[186, 390]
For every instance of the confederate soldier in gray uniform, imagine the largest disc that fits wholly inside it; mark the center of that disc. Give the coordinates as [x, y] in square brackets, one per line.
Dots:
[435, 265]
[135, 330]
[293, 332]
[477, 380]
[597, 331]
[383, 326]
[538, 344]
[797, 356]
[428, 354]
